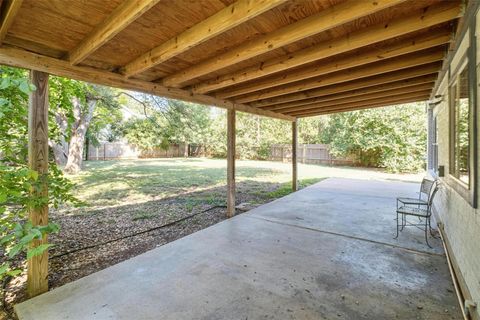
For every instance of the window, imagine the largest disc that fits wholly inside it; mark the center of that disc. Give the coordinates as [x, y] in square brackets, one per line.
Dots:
[460, 127]
[434, 146]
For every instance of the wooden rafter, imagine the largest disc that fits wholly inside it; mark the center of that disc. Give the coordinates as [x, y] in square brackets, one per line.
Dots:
[325, 20]
[404, 47]
[389, 65]
[355, 99]
[411, 84]
[429, 70]
[23, 59]
[375, 101]
[7, 16]
[384, 103]
[226, 19]
[434, 15]
[123, 15]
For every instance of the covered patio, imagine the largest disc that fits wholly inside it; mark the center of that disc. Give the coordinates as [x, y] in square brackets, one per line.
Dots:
[325, 252]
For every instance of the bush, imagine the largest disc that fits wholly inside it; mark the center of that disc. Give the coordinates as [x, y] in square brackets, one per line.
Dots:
[392, 137]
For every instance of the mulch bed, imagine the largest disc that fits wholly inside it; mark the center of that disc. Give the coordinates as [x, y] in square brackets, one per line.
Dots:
[112, 233]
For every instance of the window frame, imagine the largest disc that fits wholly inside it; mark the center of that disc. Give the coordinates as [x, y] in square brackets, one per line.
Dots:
[468, 60]
[434, 145]
[453, 118]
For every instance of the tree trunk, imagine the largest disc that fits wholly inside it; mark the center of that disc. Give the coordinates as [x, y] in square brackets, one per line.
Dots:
[60, 147]
[79, 131]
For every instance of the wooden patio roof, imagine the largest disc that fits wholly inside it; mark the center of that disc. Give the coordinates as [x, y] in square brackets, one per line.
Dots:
[278, 58]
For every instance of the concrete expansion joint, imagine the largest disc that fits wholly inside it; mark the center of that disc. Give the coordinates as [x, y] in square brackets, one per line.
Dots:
[347, 236]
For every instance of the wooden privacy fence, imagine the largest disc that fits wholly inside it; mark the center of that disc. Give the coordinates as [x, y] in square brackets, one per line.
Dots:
[123, 150]
[310, 153]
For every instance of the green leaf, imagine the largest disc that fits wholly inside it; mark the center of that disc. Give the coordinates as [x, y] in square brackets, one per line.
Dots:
[15, 250]
[7, 238]
[34, 175]
[36, 233]
[5, 83]
[13, 273]
[4, 268]
[38, 250]
[24, 87]
[27, 238]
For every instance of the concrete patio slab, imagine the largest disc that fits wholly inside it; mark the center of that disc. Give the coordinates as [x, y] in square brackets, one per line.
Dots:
[265, 266]
[357, 208]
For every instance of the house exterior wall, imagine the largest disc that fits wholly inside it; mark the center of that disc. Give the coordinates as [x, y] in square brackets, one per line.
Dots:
[459, 219]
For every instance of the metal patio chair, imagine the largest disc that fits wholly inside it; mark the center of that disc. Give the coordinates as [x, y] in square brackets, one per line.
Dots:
[418, 207]
[425, 188]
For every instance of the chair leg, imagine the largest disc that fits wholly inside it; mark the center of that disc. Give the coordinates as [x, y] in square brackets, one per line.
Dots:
[397, 227]
[427, 223]
[404, 222]
[430, 228]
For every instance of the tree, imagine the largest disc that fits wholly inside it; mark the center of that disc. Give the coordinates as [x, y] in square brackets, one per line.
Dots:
[187, 122]
[168, 121]
[78, 105]
[310, 129]
[147, 134]
[17, 180]
[392, 137]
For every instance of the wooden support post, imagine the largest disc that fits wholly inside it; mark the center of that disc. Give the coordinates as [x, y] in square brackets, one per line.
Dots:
[230, 163]
[294, 155]
[37, 267]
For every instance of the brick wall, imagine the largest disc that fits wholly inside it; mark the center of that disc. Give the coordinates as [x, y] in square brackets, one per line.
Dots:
[460, 220]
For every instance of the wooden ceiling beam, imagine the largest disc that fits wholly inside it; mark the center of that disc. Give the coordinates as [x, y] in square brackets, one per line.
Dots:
[432, 16]
[389, 65]
[355, 99]
[376, 101]
[405, 47]
[23, 59]
[430, 79]
[429, 70]
[7, 16]
[326, 19]
[122, 16]
[394, 102]
[224, 20]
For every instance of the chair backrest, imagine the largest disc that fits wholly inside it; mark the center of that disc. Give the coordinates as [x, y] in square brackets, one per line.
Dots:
[431, 196]
[426, 188]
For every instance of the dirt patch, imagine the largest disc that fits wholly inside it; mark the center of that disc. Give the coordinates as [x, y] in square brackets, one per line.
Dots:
[94, 240]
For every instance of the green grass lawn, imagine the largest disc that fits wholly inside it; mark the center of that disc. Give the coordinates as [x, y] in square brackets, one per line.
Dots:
[197, 181]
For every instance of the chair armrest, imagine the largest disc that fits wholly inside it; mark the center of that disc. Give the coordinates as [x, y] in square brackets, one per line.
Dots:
[412, 201]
